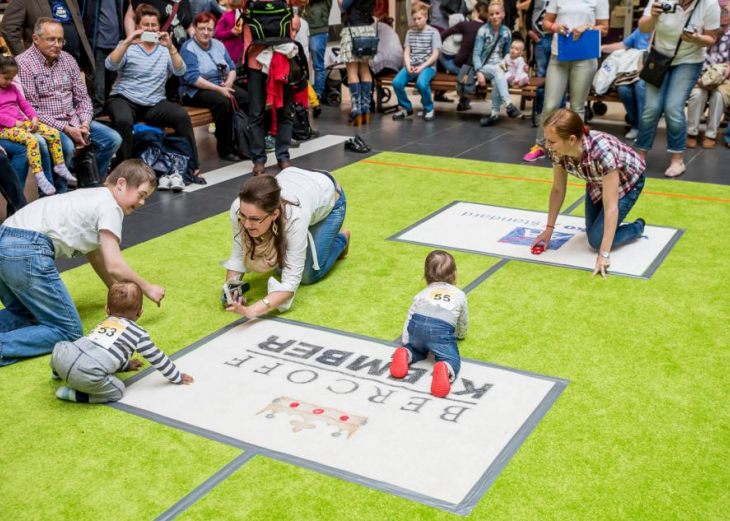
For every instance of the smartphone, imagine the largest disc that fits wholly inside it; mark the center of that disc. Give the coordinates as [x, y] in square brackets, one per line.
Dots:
[689, 31]
[149, 37]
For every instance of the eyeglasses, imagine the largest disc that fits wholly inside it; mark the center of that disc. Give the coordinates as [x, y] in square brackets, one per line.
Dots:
[53, 41]
[256, 220]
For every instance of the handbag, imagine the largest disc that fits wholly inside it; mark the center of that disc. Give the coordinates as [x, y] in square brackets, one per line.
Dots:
[466, 83]
[241, 131]
[656, 64]
[86, 168]
[301, 129]
[365, 46]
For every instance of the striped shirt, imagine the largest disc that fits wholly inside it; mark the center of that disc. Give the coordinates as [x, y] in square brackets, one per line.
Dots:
[421, 44]
[57, 91]
[122, 337]
[602, 154]
[141, 76]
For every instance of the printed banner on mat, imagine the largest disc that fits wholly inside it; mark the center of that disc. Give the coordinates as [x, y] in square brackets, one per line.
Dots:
[509, 233]
[321, 398]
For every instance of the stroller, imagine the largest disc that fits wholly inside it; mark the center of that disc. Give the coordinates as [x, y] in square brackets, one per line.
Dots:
[335, 77]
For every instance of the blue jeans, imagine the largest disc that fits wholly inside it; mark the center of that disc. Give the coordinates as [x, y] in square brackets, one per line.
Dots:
[423, 86]
[328, 241]
[106, 142]
[624, 233]
[38, 308]
[633, 97]
[669, 100]
[447, 62]
[437, 336]
[542, 59]
[500, 88]
[18, 155]
[727, 134]
[317, 47]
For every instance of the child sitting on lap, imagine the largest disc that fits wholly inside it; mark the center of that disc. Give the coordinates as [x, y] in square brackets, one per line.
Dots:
[438, 316]
[88, 364]
[514, 65]
[18, 123]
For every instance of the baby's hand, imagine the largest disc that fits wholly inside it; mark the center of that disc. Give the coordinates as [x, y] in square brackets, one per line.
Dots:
[134, 365]
[187, 379]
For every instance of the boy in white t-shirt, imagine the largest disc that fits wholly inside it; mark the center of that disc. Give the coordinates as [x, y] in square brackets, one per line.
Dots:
[39, 311]
[438, 316]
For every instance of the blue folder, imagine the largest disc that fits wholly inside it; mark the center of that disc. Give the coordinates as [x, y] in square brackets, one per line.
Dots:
[587, 47]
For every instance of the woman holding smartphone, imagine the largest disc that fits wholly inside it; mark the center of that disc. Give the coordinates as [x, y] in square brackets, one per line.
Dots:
[682, 32]
[144, 62]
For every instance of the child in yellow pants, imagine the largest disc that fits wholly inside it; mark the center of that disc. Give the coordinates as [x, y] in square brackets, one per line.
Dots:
[15, 126]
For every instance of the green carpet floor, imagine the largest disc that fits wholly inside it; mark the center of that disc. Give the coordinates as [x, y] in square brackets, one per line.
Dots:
[642, 431]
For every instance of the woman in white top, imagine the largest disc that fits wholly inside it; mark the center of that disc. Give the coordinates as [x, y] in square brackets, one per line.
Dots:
[701, 19]
[289, 223]
[571, 18]
[39, 311]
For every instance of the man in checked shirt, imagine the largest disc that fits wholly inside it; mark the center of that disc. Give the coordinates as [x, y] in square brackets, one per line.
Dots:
[53, 85]
[89, 363]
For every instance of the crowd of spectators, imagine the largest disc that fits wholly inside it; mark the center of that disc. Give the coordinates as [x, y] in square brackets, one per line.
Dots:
[78, 62]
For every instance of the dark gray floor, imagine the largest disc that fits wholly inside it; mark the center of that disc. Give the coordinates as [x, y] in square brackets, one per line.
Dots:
[451, 134]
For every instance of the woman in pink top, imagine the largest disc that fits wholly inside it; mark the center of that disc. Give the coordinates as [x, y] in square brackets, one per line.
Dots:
[229, 30]
[15, 126]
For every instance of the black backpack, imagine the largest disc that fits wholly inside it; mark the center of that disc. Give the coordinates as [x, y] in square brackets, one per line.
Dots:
[269, 21]
[301, 129]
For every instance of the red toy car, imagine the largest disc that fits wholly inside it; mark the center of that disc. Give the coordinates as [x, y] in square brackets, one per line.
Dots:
[538, 248]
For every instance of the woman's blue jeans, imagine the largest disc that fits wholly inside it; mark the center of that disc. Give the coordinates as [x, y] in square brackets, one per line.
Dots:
[328, 241]
[500, 88]
[670, 100]
[38, 308]
[624, 232]
[437, 336]
[423, 86]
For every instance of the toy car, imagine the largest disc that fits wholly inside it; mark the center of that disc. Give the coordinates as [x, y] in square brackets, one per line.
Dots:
[538, 248]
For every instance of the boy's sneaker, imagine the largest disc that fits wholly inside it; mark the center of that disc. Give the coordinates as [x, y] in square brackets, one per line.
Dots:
[488, 121]
[428, 116]
[631, 134]
[66, 393]
[440, 385]
[164, 183]
[269, 143]
[399, 364]
[513, 111]
[176, 183]
[535, 153]
[54, 376]
[402, 114]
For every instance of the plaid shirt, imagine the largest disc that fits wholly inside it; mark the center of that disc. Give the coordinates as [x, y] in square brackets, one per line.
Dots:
[57, 92]
[603, 153]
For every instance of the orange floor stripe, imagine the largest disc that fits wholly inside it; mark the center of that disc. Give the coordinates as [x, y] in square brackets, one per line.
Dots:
[544, 181]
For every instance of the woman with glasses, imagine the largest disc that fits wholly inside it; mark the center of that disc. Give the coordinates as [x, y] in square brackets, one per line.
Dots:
[144, 62]
[290, 224]
[209, 82]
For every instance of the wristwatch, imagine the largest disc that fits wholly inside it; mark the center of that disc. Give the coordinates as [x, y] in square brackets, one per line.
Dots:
[266, 302]
[605, 255]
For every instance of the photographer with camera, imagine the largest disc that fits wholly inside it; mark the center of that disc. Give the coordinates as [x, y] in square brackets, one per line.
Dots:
[290, 224]
[209, 82]
[144, 62]
[681, 30]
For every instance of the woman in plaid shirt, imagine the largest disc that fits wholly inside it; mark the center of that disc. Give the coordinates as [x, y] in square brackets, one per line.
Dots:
[614, 175]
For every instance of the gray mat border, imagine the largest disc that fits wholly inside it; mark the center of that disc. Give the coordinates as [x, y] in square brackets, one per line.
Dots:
[463, 508]
[205, 487]
[678, 232]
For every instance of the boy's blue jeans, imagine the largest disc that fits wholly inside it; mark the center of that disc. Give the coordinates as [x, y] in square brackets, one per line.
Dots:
[423, 86]
[437, 336]
[633, 98]
[38, 308]
[624, 233]
[328, 241]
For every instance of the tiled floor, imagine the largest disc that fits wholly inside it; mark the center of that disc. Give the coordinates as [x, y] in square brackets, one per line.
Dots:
[451, 134]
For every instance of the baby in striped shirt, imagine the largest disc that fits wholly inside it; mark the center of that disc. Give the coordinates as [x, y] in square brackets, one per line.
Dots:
[88, 364]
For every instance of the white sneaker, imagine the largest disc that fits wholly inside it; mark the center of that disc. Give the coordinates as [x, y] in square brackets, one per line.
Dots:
[631, 134]
[164, 183]
[176, 183]
[428, 116]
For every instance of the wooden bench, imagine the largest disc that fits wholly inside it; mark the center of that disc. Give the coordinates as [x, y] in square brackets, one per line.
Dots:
[198, 117]
[443, 82]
